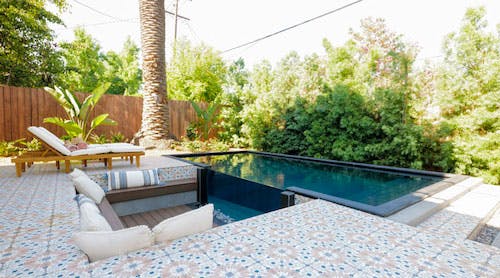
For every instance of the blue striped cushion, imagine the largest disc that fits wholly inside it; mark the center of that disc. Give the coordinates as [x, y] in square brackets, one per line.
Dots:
[128, 179]
[82, 199]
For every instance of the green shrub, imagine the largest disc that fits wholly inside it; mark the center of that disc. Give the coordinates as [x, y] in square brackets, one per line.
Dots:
[118, 137]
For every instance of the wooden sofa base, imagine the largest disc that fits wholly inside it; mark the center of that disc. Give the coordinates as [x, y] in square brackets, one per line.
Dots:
[29, 158]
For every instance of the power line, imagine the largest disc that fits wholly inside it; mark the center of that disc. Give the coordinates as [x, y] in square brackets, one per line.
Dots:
[96, 10]
[179, 16]
[293, 26]
[129, 20]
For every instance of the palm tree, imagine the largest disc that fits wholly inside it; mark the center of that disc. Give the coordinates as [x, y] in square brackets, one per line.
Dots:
[155, 113]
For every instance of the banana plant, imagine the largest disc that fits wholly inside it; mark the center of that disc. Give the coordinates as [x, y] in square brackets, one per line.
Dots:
[78, 122]
[206, 118]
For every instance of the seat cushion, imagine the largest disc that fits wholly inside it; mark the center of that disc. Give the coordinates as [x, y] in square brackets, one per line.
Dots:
[119, 147]
[104, 244]
[90, 151]
[129, 179]
[89, 188]
[191, 222]
[125, 149]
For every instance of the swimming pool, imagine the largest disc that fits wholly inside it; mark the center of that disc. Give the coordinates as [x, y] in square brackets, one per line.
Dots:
[255, 180]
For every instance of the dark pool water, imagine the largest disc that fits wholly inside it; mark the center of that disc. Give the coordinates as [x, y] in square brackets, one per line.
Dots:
[355, 184]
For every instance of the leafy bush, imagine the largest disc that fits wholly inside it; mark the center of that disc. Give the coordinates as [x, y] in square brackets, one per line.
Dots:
[18, 147]
[341, 125]
[78, 122]
[211, 145]
[9, 148]
[206, 119]
[99, 139]
[117, 137]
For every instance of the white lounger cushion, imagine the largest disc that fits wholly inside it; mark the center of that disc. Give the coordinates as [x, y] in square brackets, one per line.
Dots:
[55, 144]
[52, 135]
[125, 149]
[89, 188]
[101, 245]
[119, 147]
[89, 151]
[191, 222]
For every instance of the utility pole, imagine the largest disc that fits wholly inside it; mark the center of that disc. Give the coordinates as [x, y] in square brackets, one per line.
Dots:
[176, 16]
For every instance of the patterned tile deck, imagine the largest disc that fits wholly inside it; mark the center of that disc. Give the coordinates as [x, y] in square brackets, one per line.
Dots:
[317, 238]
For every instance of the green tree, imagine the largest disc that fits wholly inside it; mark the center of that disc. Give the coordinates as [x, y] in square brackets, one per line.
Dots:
[469, 86]
[122, 70]
[28, 55]
[195, 73]
[232, 102]
[84, 66]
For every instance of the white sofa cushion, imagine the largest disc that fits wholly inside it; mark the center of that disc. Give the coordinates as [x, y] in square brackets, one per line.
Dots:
[104, 244]
[185, 224]
[91, 218]
[77, 173]
[128, 179]
[90, 188]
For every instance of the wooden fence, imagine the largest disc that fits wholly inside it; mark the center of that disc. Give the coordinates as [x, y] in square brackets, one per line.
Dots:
[24, 107]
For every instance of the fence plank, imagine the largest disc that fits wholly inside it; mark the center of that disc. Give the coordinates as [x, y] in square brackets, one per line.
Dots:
[8, 115]
[2, 111]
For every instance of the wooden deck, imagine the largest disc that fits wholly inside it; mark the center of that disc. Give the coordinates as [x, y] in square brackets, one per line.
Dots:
[152, 218]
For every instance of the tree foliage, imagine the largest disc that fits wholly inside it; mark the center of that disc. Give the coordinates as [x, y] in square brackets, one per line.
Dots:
[122, 70]
[195, 73]
[469, 89]
[28, 55]
[86, 66]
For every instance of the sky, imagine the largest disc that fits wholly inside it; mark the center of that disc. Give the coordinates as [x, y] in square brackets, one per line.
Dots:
[224, 24]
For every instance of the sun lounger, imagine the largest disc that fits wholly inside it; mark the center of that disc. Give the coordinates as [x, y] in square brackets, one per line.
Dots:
[56, 151]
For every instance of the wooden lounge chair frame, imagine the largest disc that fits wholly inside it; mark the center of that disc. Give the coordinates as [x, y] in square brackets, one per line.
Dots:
[51, 154]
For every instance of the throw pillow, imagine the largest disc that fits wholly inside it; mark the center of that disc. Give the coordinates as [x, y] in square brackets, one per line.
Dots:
[185, 224]
[128, 179]
[89, 188]
[101, 245]
[77, 173]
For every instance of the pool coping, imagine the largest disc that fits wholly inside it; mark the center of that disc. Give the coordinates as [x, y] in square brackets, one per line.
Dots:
[384, 210]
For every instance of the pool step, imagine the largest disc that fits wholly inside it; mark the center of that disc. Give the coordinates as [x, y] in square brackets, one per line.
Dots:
[495, 222]
[464, 218]
[489, 232]
[419, 212]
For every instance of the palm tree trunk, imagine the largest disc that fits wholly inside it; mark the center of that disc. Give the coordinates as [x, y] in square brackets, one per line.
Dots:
[155, 114]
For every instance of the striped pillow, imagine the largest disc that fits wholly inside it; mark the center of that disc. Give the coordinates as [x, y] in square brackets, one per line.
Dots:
[91, 218]
[128, 179]
[83, 200]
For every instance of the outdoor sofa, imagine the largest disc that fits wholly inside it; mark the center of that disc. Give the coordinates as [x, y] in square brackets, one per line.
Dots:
[102, 232]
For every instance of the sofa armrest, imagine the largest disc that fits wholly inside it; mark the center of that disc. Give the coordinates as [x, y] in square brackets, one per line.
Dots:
[110, 215]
